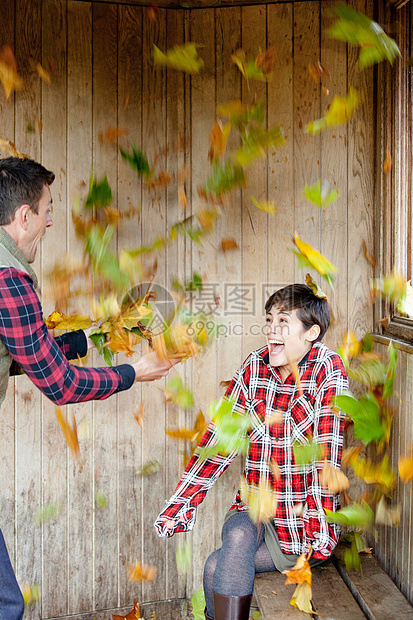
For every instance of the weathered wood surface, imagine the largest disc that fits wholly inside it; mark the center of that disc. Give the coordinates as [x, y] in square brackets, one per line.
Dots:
[103, 77]
[331, 598]
[375, 592]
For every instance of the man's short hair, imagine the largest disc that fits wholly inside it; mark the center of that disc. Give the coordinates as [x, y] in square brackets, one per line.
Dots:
[21, 182]
[311, 310]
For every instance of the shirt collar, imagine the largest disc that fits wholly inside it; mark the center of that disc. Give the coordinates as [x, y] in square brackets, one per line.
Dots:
[11, 246]
[309, 357]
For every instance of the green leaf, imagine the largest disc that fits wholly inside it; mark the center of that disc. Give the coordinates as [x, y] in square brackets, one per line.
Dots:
[256, 141]
[100, 499]
[102, 259]
[152, 467]
[351, 554]
[180, 395]
[356, 515]
[180, 57]
[390, 372]
[225, 176]
[230, 428]
[370, 373]
[100, 194]
[365, 414]
[340, 112]
[137, 160]
[320, 194]
[99, 340]
[240, 114]
[183, 555]
[367, 343]
[48, 512]
[307, 453]
[358, 30]
[198, 604]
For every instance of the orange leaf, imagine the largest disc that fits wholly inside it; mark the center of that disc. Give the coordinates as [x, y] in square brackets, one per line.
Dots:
[333, 479]
[228, 244]
[265, 60]
[134, 614]
[369, 257]
[112, 134]
[218, 140]
[182, 199]
[43, 74]
[139, 414]
[406, 468]
[317, 71]
[10, 148]
[387, 163]
[300, 573]
[142, 572]
[275, 469]
[70, 432]
[8, 71]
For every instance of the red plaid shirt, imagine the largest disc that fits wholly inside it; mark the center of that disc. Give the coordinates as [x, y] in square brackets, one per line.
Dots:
[258, 391]
[45, 359]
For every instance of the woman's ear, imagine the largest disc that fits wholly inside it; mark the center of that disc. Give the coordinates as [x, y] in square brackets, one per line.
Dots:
[313, 333]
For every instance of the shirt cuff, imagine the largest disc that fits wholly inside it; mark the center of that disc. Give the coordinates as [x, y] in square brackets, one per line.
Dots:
[127, 373]
[72, 344]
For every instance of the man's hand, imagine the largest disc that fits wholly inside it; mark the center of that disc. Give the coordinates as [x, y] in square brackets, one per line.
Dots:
[151, 367]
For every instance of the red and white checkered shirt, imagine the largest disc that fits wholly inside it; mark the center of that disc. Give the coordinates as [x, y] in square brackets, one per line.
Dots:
[257, 390]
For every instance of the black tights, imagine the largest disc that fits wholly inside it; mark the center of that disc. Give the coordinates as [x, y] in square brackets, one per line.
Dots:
[231, 569]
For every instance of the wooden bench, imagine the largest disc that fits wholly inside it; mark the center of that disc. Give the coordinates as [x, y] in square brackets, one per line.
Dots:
[338, 594]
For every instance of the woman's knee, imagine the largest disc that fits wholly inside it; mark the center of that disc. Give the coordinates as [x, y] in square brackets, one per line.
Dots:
[210, 565]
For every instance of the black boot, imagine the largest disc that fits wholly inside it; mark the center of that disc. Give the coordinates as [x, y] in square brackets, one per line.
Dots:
[231, 607]
[206, 617]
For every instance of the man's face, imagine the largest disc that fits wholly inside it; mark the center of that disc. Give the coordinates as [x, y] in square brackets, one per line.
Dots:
[286, 338]
[37, 224]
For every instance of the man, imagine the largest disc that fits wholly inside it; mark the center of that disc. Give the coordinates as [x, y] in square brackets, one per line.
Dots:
[25, 214]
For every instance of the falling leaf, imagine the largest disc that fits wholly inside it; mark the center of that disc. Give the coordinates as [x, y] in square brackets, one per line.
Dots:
[260, 499]
[275, 469]
[308, 257]
[183, 555]
[265, 60]
[307, 452]
[43, 74]
[218, 141]
[112, 134]
[228, 245]
[137, 160]
[142, 572]
[387, 163]
[405, 305]
[320, 194]
[241, 114]
[182, 199]
[365, 413]
[139, 414]
[300, 573]
[256, 142]
[314, 287]
[180, 57]
[8, 71]
[70, 432]
[83, 429]
[374, 473]
[100, 193]
[350, 347]
[355, 515]
[334, 479]
[150, 468]
[267, 207]
[152, 12]
[358, 30]
[176, 392]
[340, 112]
[231, 429]
[31, 594]
[317, 71]
[134, 614]
[388, 515]
[57, 320]
[302, 598]
[224, 384]
[100, 500]
[369, 257]
[48, 512]
[406, 468]
[225, 177]
[392, 287]
[10, 148]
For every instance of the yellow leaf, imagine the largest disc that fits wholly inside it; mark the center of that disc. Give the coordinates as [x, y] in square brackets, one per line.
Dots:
[267, 207]
[340, 111]
[314, 287]
[299, 573]
[139, 414]
[10, 148]
[70, 432]
[334, 479]
[406, 468]
[228, 244]
[8, 71]
[260, 499]
[388, 515]
[310, 257]
[142, 572]
[43, 74]
[218, 140]
[350, 347]
[302, 598]
[57, 320]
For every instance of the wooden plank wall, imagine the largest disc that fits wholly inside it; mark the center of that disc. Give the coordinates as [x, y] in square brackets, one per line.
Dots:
[103, 77]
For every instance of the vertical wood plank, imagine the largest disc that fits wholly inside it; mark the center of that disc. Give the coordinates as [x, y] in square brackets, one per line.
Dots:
[154, 218]
[254, 221]
[131, 515]
[28, 414]
[281, 262]
[361, 131]
[229, 270]
[204, 259]
[54, 465]
[79, 164]
[7, 414]
[334, 239]
[306, 109]
[104, 28]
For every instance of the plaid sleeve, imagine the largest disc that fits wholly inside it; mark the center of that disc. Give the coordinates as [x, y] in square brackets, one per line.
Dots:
[179, 512]
[328, 431]
[25, 335]
[72, 344]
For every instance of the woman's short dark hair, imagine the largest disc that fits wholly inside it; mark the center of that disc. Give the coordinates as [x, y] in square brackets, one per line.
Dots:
[21, 182]
[311, 310]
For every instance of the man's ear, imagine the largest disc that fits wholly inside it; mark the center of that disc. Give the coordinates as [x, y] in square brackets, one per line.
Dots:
[22, 215]
[313, 333]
